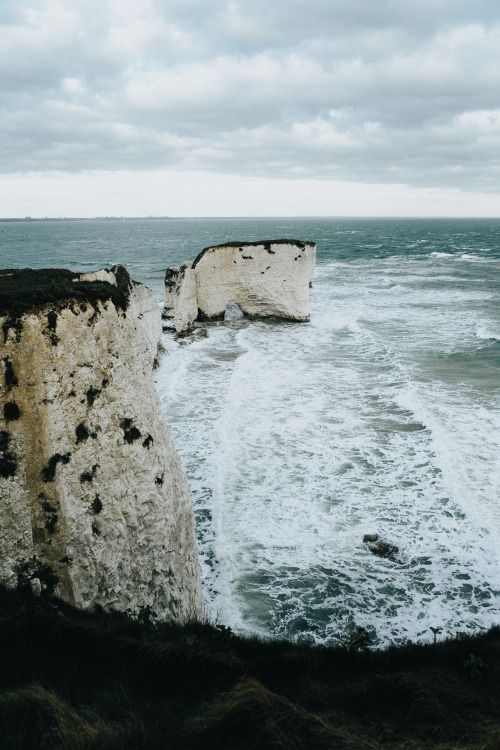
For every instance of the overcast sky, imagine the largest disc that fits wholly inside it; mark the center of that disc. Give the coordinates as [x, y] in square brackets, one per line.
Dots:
[258, 107]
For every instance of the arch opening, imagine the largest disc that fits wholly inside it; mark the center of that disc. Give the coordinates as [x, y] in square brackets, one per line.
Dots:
[233, 312]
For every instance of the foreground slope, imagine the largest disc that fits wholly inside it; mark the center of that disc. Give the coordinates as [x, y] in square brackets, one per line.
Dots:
[71, 680]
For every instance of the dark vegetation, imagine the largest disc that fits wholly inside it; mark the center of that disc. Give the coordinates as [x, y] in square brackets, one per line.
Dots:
[96, 505]
[72, 680]
[50, 510]
[28, 289]
[92, 394]
[51, 327]
[266, 243]
[10, 376]
[11, 411]
[171, 276]
[52, 320]
[88, 476]
[49, 471]
[27, 572]
[130, 431]
[81, 433]
[8, 460]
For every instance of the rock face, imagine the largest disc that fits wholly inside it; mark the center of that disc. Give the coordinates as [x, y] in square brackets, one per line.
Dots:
[180, 296]
[94, 504]
[266, 279]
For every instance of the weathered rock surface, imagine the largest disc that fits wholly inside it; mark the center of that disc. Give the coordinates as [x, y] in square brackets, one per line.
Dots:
[94, 504]
[180, 296]
[266, 279]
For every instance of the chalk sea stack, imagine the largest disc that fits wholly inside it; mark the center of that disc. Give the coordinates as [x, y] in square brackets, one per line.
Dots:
[268, 278]
[94, 505]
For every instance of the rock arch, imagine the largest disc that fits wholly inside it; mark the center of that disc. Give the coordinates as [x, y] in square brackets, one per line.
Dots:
[269, 278]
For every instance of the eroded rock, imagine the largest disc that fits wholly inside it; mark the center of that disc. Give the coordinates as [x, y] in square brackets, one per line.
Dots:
[180, 296]
[269, 278]
[82, 445]
[381, 548]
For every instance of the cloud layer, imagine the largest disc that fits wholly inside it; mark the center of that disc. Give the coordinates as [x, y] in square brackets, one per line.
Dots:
[387, 92]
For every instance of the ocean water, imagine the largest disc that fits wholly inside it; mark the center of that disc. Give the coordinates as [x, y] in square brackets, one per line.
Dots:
[380, 416]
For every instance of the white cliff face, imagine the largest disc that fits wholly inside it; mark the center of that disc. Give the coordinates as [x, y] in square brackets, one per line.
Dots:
[94, 504]
[180, 296]
[266, 279]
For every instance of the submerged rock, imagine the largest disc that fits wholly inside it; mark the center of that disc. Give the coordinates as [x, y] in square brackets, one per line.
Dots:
[234, 312]
[94, 504]
[379, 547]
[194, 334]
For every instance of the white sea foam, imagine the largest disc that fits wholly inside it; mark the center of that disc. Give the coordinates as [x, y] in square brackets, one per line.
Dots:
[485, 330]
[475, 258]
[300, 438]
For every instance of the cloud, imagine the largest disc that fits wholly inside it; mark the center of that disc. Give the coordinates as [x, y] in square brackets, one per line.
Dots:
[393, 91]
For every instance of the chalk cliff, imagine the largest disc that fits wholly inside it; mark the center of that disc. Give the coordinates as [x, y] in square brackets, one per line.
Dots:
[180, 302]
[94, 504]
[266, 279]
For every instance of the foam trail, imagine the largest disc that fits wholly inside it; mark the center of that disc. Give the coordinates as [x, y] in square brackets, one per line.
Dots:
[485, 330]
[380, 416]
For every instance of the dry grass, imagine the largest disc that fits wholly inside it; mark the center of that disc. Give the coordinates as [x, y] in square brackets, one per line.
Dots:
[75, 681]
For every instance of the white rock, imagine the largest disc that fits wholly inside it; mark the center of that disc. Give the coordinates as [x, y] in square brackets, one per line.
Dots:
[180, 296]
[265, 279]
[97, 506]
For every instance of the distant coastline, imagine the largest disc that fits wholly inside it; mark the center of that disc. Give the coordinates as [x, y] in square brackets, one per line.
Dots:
[89, 218]
[32, 220]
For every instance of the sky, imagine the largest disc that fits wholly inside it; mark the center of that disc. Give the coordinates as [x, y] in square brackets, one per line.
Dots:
[251, 108]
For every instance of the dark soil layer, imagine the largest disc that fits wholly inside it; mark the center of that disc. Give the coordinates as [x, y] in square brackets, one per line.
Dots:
[28, 289]
[266, 243]
[73, 680]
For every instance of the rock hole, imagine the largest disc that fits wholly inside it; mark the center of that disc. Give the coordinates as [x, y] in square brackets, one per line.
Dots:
[233, 312]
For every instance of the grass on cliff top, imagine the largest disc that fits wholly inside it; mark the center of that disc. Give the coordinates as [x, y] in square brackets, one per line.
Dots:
[28, 289]
[74, 680]
[253, 243]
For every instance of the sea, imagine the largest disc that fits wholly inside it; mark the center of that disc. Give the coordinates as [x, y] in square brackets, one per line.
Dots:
[381, 416]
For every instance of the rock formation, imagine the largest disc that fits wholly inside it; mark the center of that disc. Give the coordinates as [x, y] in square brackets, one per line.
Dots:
[379, 547]
[180, 296]
[94, 504]
[266, 279]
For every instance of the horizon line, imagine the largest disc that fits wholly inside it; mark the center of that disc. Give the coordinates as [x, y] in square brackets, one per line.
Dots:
[228, 218]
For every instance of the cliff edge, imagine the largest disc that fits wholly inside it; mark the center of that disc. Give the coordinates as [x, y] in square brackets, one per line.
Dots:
[94, 504]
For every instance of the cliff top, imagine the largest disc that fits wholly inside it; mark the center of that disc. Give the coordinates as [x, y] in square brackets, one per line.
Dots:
[266, 243]
[27, 289]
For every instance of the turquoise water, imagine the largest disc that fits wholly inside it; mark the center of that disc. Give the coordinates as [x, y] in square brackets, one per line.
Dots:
[382, 415]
